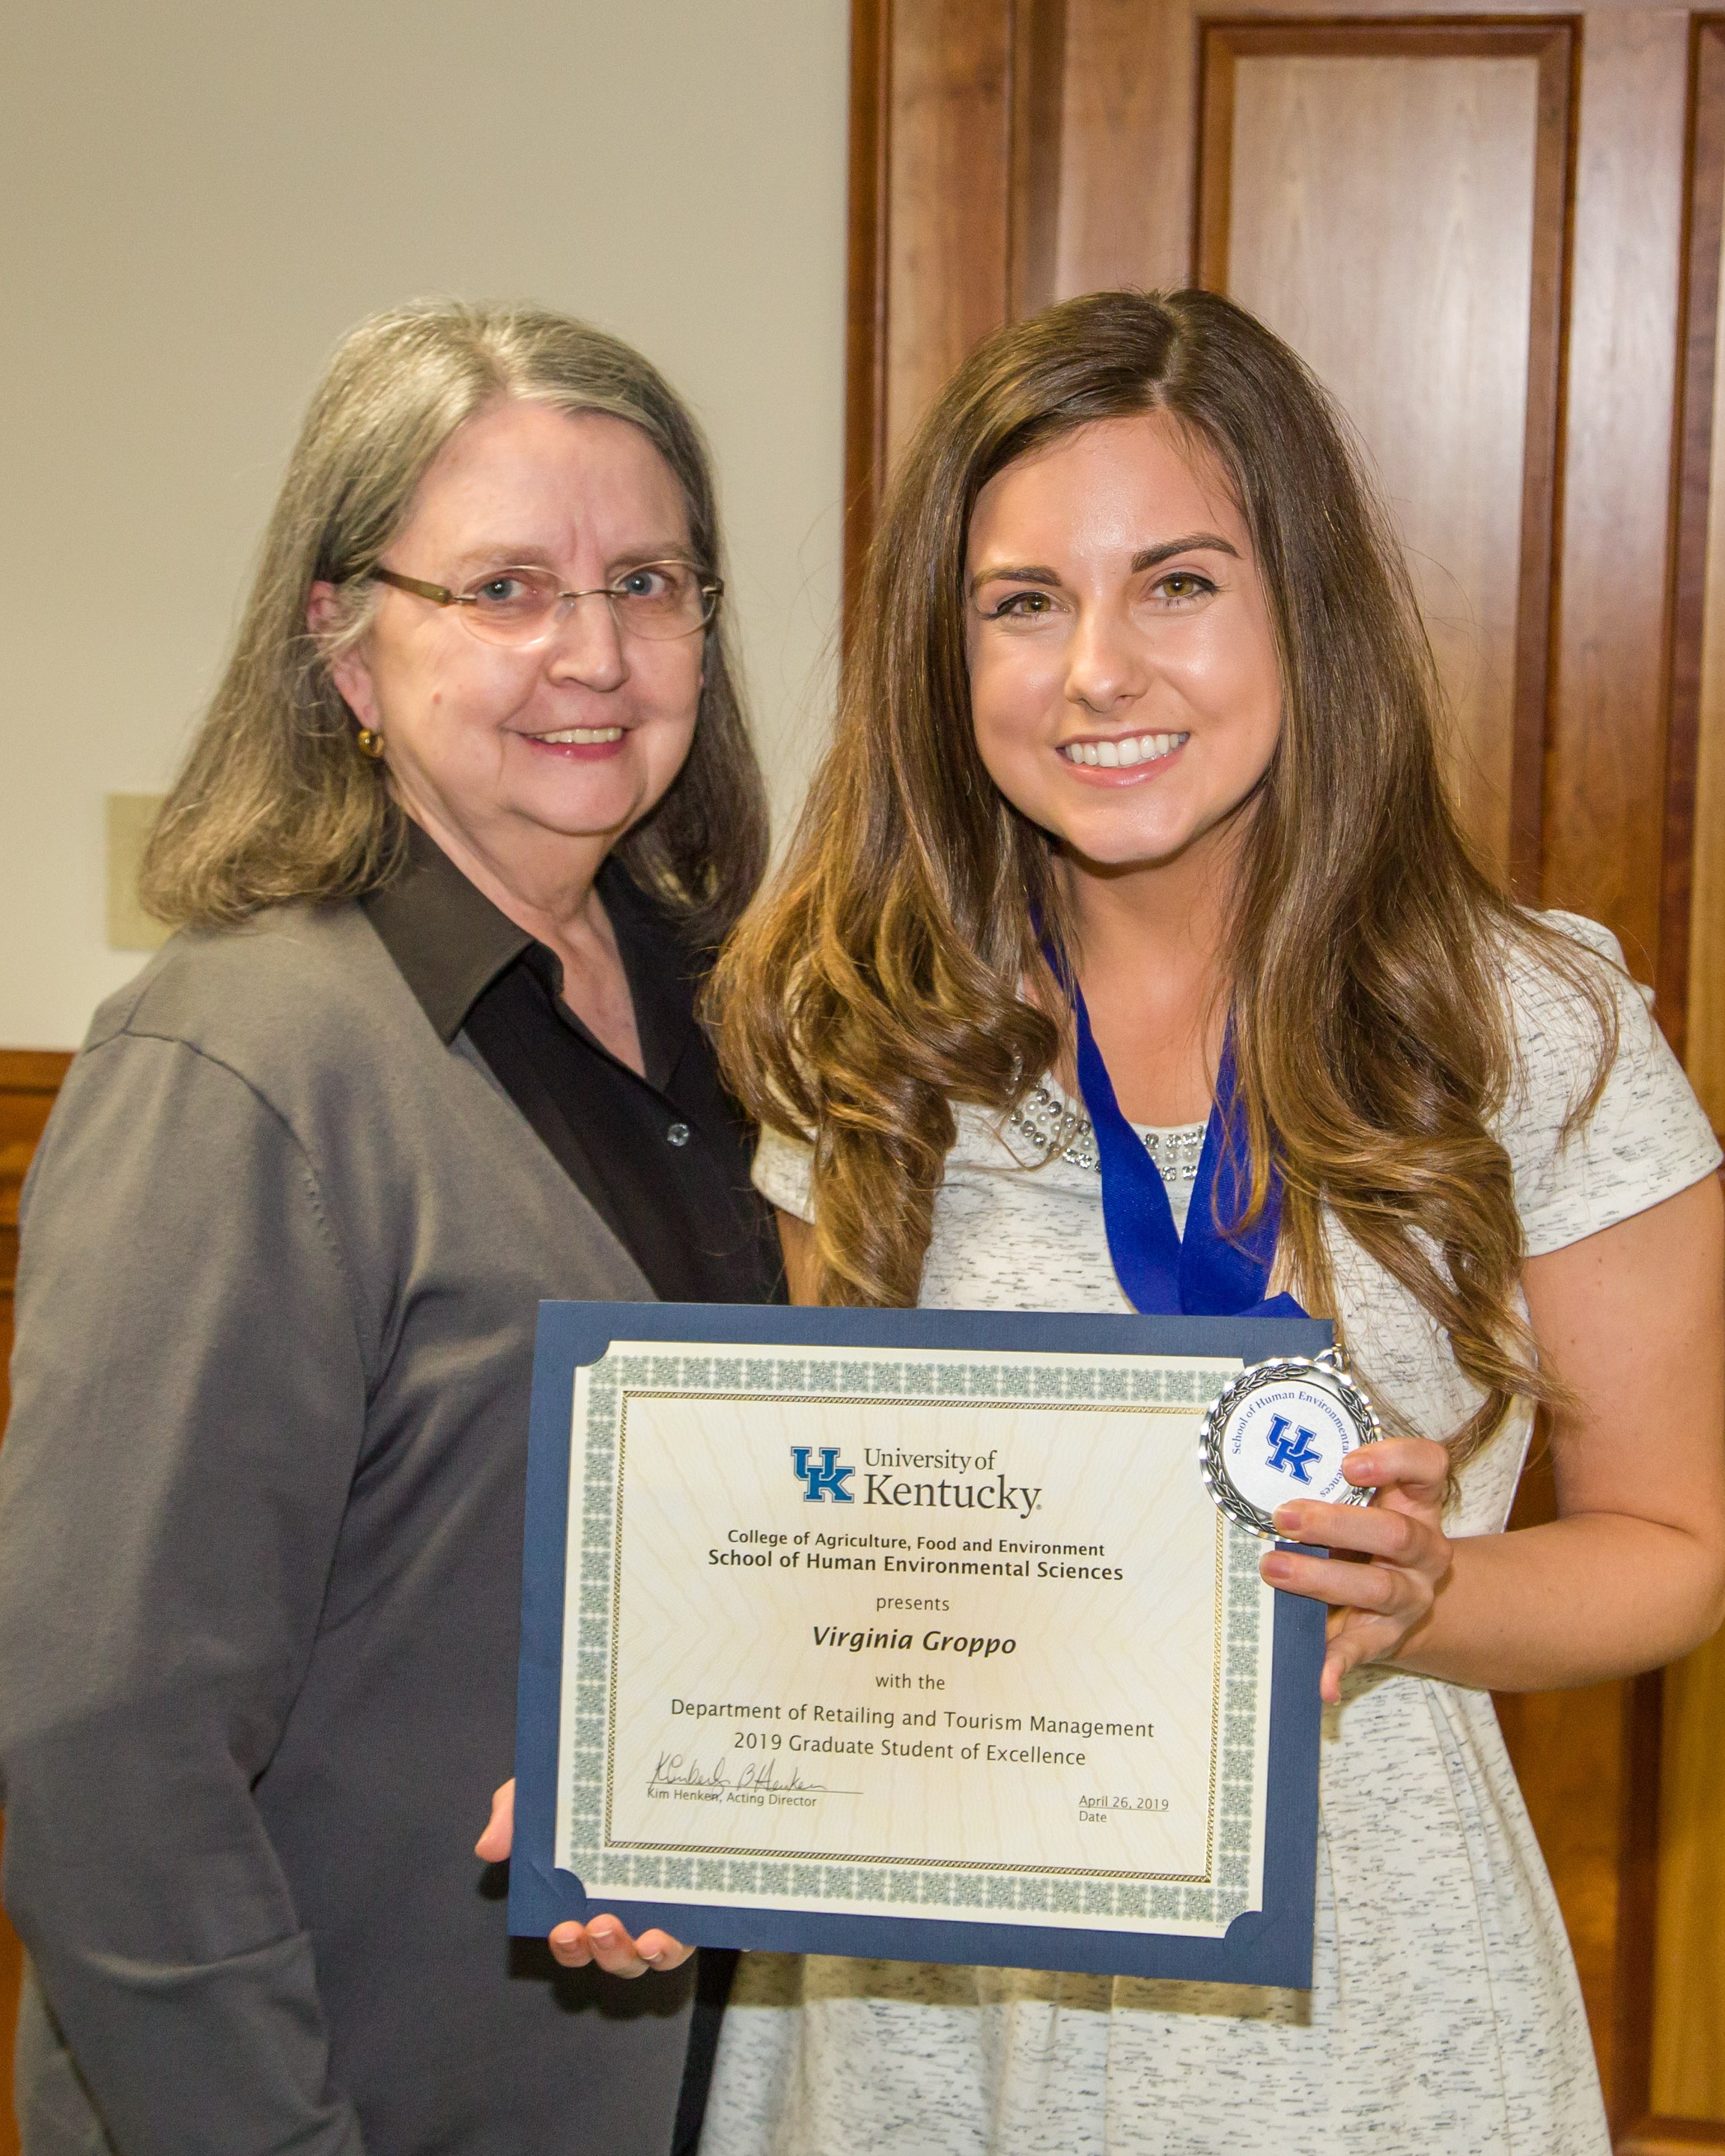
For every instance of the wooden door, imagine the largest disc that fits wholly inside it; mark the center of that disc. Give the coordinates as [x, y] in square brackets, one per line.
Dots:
[1496, 234]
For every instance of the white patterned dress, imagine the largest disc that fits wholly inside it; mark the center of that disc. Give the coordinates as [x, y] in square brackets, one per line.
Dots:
[1445, 2018]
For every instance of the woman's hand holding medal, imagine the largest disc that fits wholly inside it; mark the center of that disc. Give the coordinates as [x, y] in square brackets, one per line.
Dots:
[1390, 1559]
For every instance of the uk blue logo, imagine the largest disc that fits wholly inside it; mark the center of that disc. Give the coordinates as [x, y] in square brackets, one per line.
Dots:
[822, 1475]
[1290, 1455]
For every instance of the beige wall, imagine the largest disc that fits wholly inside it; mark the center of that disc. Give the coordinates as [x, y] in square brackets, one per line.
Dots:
[202, 194]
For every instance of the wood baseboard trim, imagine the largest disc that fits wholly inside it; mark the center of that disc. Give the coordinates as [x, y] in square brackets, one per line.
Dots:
[33, 1070]
[29, 1079]
[1670, 2137]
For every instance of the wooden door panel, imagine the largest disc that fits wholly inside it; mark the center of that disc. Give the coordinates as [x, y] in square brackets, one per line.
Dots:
[1373, 194]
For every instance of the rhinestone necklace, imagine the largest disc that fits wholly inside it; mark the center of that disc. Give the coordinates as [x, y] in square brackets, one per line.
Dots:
[1052, 1128]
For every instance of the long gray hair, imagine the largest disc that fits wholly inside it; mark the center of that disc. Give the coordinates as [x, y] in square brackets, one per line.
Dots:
[275, 802]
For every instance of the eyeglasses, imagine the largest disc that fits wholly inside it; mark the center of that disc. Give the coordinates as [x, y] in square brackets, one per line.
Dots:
[659, 601]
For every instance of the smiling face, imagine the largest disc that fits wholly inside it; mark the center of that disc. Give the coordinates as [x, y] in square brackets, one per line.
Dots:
[1124, 685]
[502, 751]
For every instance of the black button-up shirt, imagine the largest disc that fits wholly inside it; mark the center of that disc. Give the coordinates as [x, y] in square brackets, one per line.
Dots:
[663, 1158]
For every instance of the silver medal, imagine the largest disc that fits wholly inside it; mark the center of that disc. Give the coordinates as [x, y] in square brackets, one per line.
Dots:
[1283, 1429]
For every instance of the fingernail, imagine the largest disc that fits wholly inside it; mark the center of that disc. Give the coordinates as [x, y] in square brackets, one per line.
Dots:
[1276, 1567]
[1286, 1518]
[602, 1930]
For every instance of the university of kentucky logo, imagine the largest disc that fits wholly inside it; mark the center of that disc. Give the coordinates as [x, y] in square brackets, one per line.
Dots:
[1291, 1454]
[821, 1475]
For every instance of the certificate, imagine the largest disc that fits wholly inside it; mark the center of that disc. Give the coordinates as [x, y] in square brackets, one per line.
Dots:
[914, 1635]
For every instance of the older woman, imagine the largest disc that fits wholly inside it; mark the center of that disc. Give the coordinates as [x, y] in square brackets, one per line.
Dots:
[469, 811]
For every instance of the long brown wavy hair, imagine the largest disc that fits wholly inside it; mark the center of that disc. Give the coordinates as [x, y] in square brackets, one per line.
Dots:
[275, 801]
[892, 968]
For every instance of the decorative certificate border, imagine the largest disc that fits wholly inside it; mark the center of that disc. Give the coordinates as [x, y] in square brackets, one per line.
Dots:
[936, 1889]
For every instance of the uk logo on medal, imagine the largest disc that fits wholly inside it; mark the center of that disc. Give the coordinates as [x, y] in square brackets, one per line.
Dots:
[821, 1475]
[1281, 1430]
[1292, 1456]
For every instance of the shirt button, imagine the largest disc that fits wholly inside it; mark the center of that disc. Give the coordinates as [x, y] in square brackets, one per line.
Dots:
[678, 1134]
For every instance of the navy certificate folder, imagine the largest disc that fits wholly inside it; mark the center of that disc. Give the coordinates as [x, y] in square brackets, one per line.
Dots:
[1270, 1945]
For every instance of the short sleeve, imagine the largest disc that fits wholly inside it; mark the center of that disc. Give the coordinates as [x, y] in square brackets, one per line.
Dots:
[1647, 1137]
[784, 1173]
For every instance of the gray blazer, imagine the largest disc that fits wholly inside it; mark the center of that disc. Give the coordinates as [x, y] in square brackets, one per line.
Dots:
[260, 1519]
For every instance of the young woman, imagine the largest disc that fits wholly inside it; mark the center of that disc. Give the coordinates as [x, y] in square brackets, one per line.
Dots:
[1139, 726]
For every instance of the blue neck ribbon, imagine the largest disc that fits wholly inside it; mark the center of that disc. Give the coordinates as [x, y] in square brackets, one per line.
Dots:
[1207, 1273]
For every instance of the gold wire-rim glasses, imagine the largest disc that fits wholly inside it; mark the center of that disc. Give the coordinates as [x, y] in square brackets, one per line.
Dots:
[540, 623]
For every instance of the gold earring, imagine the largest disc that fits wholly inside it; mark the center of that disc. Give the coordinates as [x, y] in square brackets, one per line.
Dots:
[371, 744]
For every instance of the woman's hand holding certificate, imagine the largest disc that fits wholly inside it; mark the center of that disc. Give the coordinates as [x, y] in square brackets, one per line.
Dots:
[601, 1939]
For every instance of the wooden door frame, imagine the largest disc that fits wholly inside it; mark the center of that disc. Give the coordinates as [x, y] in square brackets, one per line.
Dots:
[1692, 481]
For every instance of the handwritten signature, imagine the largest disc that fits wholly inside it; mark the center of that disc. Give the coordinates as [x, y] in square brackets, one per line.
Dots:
[675, 1771]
